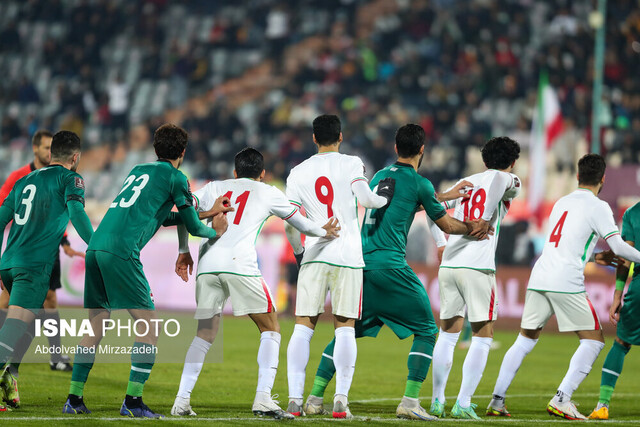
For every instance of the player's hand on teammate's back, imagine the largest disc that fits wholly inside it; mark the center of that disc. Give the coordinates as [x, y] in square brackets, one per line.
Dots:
[480, 229]
[608, 258]
[70, 252]
[220, 224]
[184, 266]
[386, 188]
[332, 227]
[459, 190]
[221, 205]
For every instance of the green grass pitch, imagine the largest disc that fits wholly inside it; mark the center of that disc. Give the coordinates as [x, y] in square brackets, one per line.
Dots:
[225, 391]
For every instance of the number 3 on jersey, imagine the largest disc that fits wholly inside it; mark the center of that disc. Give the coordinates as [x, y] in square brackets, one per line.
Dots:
[556, 234]
[141, 181]
[324, 193]
[241, 201]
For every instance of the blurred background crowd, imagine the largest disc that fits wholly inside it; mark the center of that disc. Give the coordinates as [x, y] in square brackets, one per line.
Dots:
[257, 72]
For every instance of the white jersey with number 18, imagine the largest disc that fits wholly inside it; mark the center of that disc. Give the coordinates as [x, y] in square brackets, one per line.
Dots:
[322, 185]
[575, 223]
[490, 200]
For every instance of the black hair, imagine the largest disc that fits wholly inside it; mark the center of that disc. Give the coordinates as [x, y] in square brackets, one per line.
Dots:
[37, 137]
[170, 141]
[249, 163]
[326, 129]
[500, 152]
[409, 139]
[591, 169]
[64, 145]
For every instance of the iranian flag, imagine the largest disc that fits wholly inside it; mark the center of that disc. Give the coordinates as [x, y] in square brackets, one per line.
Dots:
[547, 126]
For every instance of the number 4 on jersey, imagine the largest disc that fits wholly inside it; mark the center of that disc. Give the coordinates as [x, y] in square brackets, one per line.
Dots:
[556, 234]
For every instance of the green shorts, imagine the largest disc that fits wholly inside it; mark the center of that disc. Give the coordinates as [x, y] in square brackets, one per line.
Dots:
[629, 324]
[115, 283]
[395, 298]
[27, 288]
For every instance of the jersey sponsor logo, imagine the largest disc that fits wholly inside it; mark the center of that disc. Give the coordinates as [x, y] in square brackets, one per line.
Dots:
[79, 182]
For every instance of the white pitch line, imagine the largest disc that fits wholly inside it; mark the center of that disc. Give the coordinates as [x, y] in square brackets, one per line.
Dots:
[84, 419]
[489, 396]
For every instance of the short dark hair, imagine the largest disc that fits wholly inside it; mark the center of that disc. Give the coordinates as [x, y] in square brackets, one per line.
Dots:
[500, 152]
[409, 139]
[37, 137]
[591, 169]
[249, 163]
[64, 145]
[326, 129]
[170, 141]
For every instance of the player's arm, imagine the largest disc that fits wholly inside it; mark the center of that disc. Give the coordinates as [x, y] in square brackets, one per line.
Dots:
[7, 186]
[281, 208]
[183, 199]
[6, 215]
[368, 198]
[494, 195]
[74, 197]
[455, 193]
[622, 273]
[438, 237]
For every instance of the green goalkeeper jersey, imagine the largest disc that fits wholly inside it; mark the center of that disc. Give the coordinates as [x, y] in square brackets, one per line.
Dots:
[384, 231]
[145, 201]
[39, 202]
[631, 230]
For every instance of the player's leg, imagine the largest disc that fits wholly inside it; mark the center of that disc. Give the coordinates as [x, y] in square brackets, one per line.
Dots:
[312, 291]
[611, 370]
[58, 361]
[211, 296]
[628, 334]
[346, 303]
[536, 313]
[324, 374]
[478, 290]
[576, 313]
[451, 322]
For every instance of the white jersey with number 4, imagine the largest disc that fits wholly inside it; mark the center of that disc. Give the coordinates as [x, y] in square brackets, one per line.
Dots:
[322, 184]
[490, 200]
[254, 202]
[575, 224]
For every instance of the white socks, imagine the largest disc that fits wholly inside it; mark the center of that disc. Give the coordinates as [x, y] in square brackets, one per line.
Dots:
[192, 366]
[473, 368]
[580, 365]
[344, 358]
[511, 363]
[268, 355]
[442, 361]
[297, 359]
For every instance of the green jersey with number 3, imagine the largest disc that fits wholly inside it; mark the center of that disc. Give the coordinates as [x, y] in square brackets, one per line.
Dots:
[144, 202]
[384, 231]
[39, 202]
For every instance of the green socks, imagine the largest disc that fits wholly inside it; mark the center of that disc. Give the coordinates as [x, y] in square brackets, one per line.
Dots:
[326, 370]
[418, 363]
[143, 356]
[611, 370]
[10, 334]
[82, 364]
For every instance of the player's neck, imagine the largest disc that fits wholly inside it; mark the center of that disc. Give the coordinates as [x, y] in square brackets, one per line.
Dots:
[175, 163]
[333, 148]
[413, 161]
[595, 189]
[64, 165]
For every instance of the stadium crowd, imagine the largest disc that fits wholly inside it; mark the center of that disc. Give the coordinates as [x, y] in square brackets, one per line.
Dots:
[236, 76]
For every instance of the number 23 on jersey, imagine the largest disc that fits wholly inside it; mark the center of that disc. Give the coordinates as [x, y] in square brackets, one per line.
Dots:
[127, 200]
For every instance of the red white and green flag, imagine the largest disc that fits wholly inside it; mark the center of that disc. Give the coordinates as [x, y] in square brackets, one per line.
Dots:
[547, 126]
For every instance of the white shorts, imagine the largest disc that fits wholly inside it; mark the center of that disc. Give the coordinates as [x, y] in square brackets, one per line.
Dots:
[460, 287]
[574, 312]
[317, 278]
[249, 295]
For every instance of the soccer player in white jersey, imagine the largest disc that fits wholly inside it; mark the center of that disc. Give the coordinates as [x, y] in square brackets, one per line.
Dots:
[327, 185]
[556, 286]
[467, 276]
[229, 268]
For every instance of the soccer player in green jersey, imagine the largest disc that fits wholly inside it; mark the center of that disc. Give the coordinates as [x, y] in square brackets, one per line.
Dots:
[114, 277]
[40, 205]
[626, 317]
[392, 293]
